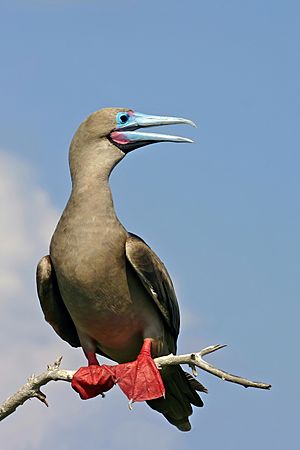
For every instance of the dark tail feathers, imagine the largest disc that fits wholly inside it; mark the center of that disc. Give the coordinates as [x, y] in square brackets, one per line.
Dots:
[181, 394]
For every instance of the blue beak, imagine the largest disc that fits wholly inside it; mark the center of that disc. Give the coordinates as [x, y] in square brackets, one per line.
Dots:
[125, 136]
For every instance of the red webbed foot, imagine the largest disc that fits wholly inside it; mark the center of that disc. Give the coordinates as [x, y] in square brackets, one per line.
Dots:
[92, 381]
[140, 380]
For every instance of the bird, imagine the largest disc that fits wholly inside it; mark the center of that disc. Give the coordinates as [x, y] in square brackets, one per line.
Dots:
[103, 288]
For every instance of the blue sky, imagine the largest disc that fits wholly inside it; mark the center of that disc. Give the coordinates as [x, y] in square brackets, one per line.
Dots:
[222, 214]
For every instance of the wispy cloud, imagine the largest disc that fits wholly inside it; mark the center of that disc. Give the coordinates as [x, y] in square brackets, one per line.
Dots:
[27, 220]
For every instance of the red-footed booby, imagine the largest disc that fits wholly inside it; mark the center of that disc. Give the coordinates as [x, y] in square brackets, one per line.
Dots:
[103, 288]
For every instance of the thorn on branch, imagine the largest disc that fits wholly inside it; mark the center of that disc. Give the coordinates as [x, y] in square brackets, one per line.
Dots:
[41, 396]
[31, 378]
[55, 365]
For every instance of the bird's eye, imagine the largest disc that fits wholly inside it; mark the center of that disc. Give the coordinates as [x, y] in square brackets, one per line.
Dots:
[122, 118]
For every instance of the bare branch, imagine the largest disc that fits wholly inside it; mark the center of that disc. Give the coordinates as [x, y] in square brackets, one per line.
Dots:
[31, 389]
[195, 359]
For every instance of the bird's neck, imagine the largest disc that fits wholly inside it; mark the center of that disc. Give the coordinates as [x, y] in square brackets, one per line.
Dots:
[90, 170]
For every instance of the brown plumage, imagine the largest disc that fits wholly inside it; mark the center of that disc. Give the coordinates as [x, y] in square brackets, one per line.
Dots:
[101, 287]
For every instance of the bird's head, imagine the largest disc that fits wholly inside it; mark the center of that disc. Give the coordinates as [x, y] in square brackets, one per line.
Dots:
[113, 132]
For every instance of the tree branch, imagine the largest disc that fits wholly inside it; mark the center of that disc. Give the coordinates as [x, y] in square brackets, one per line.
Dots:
[31, 389]
[195, 360]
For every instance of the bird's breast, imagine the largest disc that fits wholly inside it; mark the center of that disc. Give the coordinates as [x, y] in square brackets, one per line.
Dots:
[88, 254]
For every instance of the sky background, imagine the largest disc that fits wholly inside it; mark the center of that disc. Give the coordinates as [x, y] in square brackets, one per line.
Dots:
[222, 214]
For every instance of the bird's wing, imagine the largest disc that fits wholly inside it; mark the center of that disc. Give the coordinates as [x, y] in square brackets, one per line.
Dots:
[155, 279]
[54, 309]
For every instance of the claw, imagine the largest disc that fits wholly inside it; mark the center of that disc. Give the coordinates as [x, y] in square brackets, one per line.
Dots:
[194, 370]
[130, 405]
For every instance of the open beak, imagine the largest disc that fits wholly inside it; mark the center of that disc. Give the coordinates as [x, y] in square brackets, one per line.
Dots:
[127, 139]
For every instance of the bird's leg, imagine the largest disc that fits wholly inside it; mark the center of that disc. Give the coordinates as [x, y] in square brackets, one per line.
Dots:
[92, 358]
[140, 380]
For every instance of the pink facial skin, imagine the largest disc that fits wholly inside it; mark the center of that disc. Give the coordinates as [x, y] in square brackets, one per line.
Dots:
[119, 137]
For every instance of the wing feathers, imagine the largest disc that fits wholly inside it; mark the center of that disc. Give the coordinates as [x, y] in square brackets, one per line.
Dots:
[55, 312]
[155, 279]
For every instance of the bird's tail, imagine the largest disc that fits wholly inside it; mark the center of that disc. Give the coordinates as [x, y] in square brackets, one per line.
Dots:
[181, 394]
